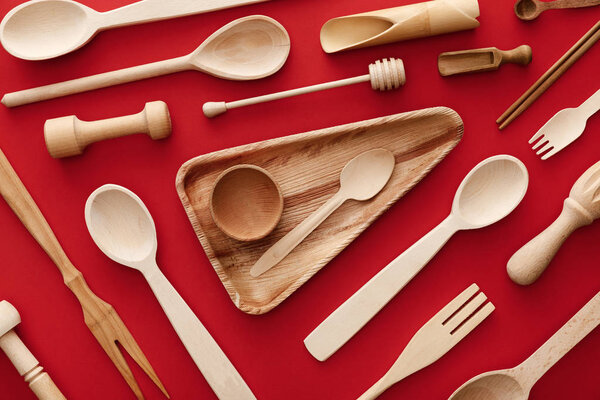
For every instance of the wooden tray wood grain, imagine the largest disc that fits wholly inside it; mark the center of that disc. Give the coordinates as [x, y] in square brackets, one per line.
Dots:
[307, 166]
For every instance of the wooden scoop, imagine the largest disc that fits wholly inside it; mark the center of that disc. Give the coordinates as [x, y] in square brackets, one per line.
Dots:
[581, 208]
[43, 29]
[479, 60]
[531, 9]
[248, 48]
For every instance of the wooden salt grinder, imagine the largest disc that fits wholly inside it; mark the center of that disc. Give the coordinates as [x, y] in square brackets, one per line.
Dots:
[28, 366]
[69, 136]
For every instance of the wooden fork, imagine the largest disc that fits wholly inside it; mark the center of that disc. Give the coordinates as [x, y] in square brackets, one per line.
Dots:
[100, 317]
[440, 334]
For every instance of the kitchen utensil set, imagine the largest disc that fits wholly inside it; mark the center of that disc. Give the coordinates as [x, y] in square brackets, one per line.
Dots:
[26, 364]
[386, 74]
[581, 208]
[489, 192]
[122, 227]
[564, 127]
[69, 136]
[268, 230]
[515, 383]
[99, 316]
[437, 337]
[260, 46]
[550, 76]
[488, 59]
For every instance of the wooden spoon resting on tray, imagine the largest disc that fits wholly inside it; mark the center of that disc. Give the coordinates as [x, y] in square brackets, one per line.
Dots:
[531, 9]
[479, 60]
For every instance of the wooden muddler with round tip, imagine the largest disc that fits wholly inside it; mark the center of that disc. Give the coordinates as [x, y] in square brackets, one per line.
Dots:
[68, 136]
[386, 74]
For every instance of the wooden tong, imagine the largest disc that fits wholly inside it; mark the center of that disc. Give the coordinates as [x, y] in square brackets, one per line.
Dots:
[100, 317]
[551, 76]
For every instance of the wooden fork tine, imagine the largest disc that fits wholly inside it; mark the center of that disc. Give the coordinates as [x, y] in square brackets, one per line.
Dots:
[473, 322]
[465, 312]
[457, 303]
[536, 136]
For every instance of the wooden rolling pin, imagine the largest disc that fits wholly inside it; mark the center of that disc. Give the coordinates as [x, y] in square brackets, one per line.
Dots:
[479, 60]
[26, 364]
[69, 136]
[386, 74]
[581, 208]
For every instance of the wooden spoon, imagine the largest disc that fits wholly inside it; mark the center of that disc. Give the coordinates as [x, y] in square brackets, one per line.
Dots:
[516, 383]
[479, 60]
[123, 229]
[581, 208]
[531, 9]
[489, 192]
[248, 48]
[362, 178]
[43, 29]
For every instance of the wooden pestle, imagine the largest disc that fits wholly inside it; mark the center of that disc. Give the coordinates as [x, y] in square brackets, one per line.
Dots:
[386, 74]
[69, 136]
[581, 208]
[26, 364]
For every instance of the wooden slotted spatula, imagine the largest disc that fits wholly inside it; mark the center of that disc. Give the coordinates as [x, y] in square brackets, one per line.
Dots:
[100, 317]
[437, 337]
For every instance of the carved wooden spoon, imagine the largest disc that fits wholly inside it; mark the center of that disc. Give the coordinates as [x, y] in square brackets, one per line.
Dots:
[531, 9]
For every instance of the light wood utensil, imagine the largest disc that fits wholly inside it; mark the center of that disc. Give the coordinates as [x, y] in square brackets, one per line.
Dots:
[248, 48]
[516, 383]
[489, 192]
[26, 364]
[550, 76]
[399, 23]
[122, 227]
[100, 317]
[564, 127]
[361, 179]
[581, 208]
[531, 9]
[307, 168]
[479, 60]
[43, 29]
[437, 337]
[386, 74]
[246, 203]
[69, 136]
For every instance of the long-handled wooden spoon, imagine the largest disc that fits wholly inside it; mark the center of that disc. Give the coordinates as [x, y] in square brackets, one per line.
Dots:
[480, 60]
[362, 178]
[248, 48]
[531, 9]
[581, 208]
[516, 383]
[489, 192]
[123, 229]
[43, 29]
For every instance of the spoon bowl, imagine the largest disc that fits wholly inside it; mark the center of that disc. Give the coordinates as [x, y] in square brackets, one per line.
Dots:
[494, 385]
[527, 9]
[490, 191]
[121, 226]
[66, 27]
[365, 175]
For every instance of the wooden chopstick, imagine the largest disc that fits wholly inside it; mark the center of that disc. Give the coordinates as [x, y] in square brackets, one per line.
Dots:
[551, 76]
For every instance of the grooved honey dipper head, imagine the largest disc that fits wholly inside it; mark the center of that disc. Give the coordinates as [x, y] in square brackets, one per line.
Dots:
[9, 317]
[387, 74]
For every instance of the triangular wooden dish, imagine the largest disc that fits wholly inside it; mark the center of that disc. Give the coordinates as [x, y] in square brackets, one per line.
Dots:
[307, 166]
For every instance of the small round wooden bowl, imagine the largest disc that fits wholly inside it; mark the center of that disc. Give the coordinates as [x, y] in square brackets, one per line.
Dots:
[246, 202]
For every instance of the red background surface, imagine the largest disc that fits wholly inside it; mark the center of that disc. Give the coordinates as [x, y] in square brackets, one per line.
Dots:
[268, 350]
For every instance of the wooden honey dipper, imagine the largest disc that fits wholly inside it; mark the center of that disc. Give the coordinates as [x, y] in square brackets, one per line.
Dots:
[69, 136]
[26, 364]
[386, 74]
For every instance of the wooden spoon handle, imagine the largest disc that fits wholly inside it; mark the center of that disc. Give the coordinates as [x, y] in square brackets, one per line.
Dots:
[570, 4]
[96, 82]
[528, 263]
[219, 372]
[592, 104]
[578, 327]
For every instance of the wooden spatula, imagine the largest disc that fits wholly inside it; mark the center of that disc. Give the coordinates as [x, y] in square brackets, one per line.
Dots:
[479, 60]
[437, 337]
